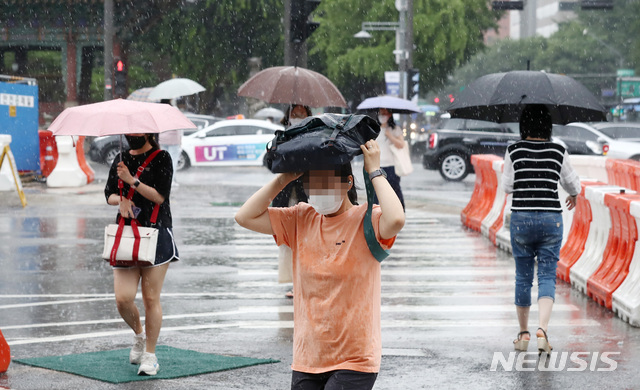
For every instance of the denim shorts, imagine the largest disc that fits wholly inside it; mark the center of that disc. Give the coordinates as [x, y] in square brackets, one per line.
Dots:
[535, 235]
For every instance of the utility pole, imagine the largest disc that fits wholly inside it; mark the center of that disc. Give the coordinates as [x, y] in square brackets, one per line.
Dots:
[297, 28]
[108, 49]
[404, 43]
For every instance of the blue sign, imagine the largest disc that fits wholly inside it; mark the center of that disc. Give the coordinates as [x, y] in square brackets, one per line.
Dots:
[19, 118]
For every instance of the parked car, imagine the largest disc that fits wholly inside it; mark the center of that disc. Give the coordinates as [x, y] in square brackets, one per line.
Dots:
[105, 149]
[449, 148]
[622, 138]
[229, 142]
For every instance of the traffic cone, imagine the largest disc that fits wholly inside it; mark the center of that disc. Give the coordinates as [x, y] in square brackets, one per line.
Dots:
[5, 354]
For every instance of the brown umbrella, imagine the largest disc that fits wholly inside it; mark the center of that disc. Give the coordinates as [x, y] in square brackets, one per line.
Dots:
[292, 85]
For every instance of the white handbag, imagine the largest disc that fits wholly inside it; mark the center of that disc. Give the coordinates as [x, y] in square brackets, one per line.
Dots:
[402, 160]
[124, 256]
[132, 245]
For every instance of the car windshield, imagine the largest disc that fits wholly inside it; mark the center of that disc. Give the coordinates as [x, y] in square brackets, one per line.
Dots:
[619, 132]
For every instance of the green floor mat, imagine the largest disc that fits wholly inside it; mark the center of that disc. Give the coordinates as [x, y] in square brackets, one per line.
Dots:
[114, 367]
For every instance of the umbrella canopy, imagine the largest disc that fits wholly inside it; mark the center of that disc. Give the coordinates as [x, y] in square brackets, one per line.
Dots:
[269, 112]
[142, 95]
[119, 117]
[500, 97]
[292, 85]
[175, 88]
[395, 104]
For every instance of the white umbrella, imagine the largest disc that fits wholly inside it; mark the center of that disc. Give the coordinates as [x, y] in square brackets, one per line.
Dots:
[401, 106]
[269, 112]
[175, 88]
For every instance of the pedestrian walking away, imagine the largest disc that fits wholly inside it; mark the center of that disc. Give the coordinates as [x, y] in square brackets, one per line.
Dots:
[533, 167]
[390, 134]
[292, 194]
[337, 339]
[152, 187]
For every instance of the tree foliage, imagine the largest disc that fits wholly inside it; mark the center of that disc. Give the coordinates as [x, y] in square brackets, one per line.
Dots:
[587, 48]
[211, 42]
[446, 34]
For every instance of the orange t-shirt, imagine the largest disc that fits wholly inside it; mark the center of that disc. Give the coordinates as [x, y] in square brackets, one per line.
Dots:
[336, 281]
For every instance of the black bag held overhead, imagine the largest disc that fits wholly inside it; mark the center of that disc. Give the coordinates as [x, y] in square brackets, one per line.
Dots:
[320, 142]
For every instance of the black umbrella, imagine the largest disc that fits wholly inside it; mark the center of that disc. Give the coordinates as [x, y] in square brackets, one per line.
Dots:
[500, 97]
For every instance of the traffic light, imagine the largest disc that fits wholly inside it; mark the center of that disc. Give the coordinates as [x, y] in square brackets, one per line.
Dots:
[120, 89]
[301, 28]
[413, 83]
[507, 5]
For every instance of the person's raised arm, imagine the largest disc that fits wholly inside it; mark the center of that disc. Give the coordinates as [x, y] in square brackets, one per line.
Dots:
[392, 219]
[145, 190]
[253, 214]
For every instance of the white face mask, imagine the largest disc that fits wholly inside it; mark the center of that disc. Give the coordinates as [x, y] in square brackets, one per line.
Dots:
[295, 121]
[383, 118]
[326, 204]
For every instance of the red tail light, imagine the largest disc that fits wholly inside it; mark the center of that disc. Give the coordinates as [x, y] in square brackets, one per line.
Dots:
[433, 140]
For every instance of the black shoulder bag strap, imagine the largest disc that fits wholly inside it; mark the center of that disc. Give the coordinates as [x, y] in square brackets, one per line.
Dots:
[369, 234]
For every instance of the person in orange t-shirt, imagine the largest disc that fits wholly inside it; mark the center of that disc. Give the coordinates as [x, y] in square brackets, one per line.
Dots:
[336, 340]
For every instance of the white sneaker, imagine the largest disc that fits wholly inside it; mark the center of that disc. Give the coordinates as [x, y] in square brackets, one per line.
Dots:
[139, 343]
[149, 364]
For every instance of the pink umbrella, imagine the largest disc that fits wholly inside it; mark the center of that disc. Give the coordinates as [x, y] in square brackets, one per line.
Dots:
[119, 116]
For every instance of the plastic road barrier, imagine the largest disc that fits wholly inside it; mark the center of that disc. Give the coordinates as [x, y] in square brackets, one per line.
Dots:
[7, 183]
[48, 152]
[591, 166]
[480, 204]
[595, 246]
[626, 299]
[67, 172]
[5, 354]
[619, 250]
[495, 214]
[577, 237]
[82, 161]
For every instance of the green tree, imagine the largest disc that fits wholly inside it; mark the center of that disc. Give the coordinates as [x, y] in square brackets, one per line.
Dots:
[211, 42]
[446, 34]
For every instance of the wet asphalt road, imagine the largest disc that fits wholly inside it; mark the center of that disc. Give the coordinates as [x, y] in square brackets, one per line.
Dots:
[446, 299]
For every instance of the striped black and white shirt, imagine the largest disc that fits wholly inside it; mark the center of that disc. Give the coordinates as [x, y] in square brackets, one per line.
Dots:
[532, 171]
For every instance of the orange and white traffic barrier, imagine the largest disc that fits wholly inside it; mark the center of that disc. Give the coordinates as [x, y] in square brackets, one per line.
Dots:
[619, 250]
[578, 233]
[5, 354]
[495, 213]
[82, 161]
[597, 239]
[67, 172]
[591, 166]
[487, 185]
[626, 299]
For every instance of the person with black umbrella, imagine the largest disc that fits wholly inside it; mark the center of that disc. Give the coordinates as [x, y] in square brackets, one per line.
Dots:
[533, 167]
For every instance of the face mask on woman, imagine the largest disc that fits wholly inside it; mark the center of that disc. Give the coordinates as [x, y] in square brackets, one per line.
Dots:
[326, 204]
[136, 141]
[383, 119]
[295, 121]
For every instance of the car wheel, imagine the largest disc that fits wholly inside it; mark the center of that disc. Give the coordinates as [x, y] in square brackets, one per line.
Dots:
[183, 162]
[111, 154]
[454, 166]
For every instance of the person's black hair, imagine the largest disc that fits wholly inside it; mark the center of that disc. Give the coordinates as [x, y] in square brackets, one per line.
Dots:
[153, 141]
[344, 171]
[285, 119]
[535, 122]
[390, 122]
